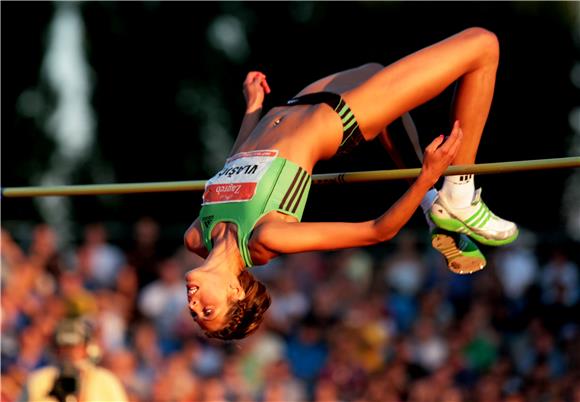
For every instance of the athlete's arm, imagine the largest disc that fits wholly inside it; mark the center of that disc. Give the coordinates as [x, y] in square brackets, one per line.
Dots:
[255, 89]
[283, 237]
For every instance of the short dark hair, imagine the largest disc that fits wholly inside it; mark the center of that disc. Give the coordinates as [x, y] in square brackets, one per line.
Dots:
[245, 316]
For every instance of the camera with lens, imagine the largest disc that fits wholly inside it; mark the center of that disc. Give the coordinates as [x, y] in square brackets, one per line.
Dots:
[70, 336]
[66, 385]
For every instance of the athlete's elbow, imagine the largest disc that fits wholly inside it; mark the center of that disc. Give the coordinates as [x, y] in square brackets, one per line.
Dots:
[191, 240]
[388, 235]
[262, 237]
[188, 245]
[383, 234]
[193, 243]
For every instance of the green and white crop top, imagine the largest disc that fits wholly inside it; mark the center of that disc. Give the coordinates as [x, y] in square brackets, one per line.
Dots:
[250, 185]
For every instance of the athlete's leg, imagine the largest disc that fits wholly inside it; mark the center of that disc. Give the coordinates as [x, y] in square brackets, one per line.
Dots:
[461, 254]
[343, 81]
[470, 57]
[385, 137]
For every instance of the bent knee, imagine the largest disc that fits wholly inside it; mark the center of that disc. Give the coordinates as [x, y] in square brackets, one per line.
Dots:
[486, 42]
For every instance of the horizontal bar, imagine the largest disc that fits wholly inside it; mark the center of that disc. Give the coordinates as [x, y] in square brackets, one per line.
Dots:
[482, 168]
[326, 178]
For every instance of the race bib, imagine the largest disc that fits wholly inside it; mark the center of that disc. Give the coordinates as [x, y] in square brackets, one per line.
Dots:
[239, 178]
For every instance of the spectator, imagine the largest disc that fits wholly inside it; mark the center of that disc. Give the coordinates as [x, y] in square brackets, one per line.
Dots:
[429, 349]
[281, 385]
[146, 345]
[112, 323]
[123, 364]
[163, 300]
[405, 269]
[461, 343]
[74, 374]
[213, 390]
[480, 347]
[103, 260]
[205, 360]
[44, 250]
[559, 280]
[289, 304]
[258, 353]
[326, 391]
[517, 265]
[540, 350]
[372, 332]
[404, 273]
[175, 382]
[237, 388]
[144, 253]
[78, 299]
[342, 366]
[307, 352]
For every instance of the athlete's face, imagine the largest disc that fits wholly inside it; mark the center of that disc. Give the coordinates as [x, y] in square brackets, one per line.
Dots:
[209, 295]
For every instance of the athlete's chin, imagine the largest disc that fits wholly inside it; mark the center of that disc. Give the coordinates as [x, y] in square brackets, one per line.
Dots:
[191, 276]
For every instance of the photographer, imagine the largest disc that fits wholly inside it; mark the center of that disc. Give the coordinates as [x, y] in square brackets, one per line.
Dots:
[75, 378]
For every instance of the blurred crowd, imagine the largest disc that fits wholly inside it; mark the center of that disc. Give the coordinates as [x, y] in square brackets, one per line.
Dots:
[383, 324]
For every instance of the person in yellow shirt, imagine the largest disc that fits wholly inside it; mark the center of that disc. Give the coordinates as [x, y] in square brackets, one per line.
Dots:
[75, 377]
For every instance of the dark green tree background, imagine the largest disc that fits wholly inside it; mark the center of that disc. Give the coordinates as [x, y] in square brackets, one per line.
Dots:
[157, 73]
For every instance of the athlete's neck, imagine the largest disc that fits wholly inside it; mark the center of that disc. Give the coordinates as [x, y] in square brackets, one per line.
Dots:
[225, 253]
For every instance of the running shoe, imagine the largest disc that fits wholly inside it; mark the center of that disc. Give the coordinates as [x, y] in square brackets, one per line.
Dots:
[476, 221]
[462, 255]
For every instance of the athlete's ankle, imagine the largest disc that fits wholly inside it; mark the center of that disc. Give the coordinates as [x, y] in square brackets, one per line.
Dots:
[458, 190]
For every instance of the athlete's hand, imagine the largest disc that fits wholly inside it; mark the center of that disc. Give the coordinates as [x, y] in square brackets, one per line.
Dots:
[255, 89]
[440, 153]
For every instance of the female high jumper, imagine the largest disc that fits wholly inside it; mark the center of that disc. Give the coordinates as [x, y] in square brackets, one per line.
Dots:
[252, 208]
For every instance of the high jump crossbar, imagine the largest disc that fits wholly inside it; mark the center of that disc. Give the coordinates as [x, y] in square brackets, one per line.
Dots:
[325, 178]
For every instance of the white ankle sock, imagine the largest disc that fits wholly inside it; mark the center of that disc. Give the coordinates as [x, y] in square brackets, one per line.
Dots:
[458, 190]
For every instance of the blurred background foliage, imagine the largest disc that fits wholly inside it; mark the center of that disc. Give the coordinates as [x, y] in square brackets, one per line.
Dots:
[164, 88]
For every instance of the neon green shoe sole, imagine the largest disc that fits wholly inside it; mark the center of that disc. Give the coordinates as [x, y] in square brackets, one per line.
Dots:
[457, 226]
[462, 255]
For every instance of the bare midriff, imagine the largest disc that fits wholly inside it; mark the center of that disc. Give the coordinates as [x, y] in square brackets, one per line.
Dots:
[303, 134]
